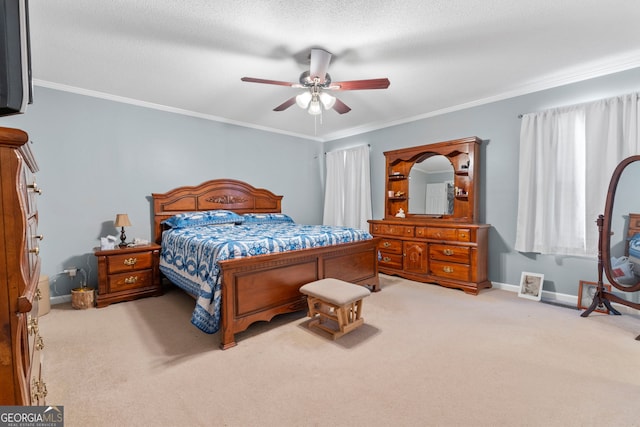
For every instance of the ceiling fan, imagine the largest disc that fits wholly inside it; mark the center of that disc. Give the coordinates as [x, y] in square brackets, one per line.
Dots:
[318, 81]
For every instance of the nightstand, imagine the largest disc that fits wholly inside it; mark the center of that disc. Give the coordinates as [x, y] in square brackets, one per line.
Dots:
[128, 273]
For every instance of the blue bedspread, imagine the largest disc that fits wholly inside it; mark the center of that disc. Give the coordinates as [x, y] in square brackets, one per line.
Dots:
[189, 256]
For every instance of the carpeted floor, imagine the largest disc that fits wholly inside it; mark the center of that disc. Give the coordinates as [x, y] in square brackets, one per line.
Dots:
[426, 356]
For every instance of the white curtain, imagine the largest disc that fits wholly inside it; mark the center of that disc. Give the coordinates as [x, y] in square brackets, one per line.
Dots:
[567, 156]
[347, 198]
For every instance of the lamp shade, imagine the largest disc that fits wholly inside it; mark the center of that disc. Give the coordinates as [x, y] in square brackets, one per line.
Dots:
[122, 220]
[314, 107]
[303, 99]
[327, 100]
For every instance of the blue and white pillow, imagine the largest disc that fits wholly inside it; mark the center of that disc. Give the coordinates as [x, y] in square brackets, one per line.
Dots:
[266, 218]
[634, 246]
[195, 219]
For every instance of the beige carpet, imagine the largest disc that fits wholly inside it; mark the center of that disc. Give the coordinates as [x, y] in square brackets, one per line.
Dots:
[426, 356]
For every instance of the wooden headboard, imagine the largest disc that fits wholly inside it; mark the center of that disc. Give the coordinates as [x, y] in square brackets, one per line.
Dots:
[228, 194]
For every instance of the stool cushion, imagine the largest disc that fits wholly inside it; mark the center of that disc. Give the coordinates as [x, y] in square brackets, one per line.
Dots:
[335, 291]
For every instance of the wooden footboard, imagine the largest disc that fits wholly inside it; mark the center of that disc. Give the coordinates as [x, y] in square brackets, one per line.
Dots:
[261, 287]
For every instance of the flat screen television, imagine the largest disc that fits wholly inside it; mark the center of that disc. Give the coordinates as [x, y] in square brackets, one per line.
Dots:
[15, 57]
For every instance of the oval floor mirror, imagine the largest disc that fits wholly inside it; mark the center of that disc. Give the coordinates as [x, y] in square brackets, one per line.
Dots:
[619, 241]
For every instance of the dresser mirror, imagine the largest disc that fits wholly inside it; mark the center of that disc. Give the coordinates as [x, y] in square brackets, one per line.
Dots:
[433, 182]
[431, 186]
[617, 225]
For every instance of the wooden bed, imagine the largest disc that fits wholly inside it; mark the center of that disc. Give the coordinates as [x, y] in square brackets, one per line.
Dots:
[261, 287]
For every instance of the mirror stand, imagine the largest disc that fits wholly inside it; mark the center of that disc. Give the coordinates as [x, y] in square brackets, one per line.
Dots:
[601, 297]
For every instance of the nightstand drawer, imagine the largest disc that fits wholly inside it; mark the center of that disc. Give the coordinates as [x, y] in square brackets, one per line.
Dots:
[129, 262]
[132, 280]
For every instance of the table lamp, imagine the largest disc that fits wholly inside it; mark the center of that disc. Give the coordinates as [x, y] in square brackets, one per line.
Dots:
[122, 220]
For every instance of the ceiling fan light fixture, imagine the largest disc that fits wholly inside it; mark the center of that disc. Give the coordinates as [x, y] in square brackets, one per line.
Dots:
[314, 107]
[328, 101]
[303, 99]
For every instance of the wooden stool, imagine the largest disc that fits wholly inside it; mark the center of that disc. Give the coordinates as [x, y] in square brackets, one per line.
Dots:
[333, 299]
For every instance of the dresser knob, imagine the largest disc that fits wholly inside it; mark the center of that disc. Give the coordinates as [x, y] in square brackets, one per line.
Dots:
[35, 250]
[386, 244]
[39, 343]
[447, 269]
[448, 252]
[131, 280]
[37, 236]
[386, 259]
[38, 294]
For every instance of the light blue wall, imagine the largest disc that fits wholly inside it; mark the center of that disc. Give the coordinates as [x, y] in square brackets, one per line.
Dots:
[498, 125]
[98, 158]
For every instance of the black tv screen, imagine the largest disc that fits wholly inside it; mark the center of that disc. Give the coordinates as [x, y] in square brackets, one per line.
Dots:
[15, 61]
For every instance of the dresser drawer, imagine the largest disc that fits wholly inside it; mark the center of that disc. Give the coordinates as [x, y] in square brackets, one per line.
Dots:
[449, 253]
[393, 229]
[437, 233]
[401, 230]
[390, 260]
[129, 262]
[131, 280]
[449, 270]
[451, 234]
[390, 245]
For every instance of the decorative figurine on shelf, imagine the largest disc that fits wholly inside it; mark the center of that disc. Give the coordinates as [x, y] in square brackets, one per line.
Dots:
[400, 213]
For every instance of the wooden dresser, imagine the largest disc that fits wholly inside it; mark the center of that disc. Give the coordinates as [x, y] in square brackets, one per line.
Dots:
[446, 247]
[20, 342]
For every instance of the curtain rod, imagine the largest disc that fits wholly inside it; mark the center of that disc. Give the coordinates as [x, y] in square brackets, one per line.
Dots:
[368, 145]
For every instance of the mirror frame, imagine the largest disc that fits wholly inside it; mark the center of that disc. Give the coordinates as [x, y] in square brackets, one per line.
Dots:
[606, 226]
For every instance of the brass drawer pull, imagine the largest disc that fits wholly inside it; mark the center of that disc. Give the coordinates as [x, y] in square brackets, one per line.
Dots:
[130, 261]
[448, 252]
[38, 390]
[447, 269]
[37, 236]
[386, 244]
[38, 294]
[386, 259]
[35, 188]
[35, 250]
[32, 326]
[131, 280]
[39, 343]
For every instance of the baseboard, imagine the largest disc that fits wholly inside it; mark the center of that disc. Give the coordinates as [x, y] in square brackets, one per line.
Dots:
[60, 299]
[565, 300]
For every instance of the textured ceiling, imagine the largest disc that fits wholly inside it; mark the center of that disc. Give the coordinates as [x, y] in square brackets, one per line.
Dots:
[189, 55]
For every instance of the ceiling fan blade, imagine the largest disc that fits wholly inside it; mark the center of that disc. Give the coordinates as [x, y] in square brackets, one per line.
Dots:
[341, 107]
[269, 82]
[360, 84]
[286, 104]
[319, 64]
